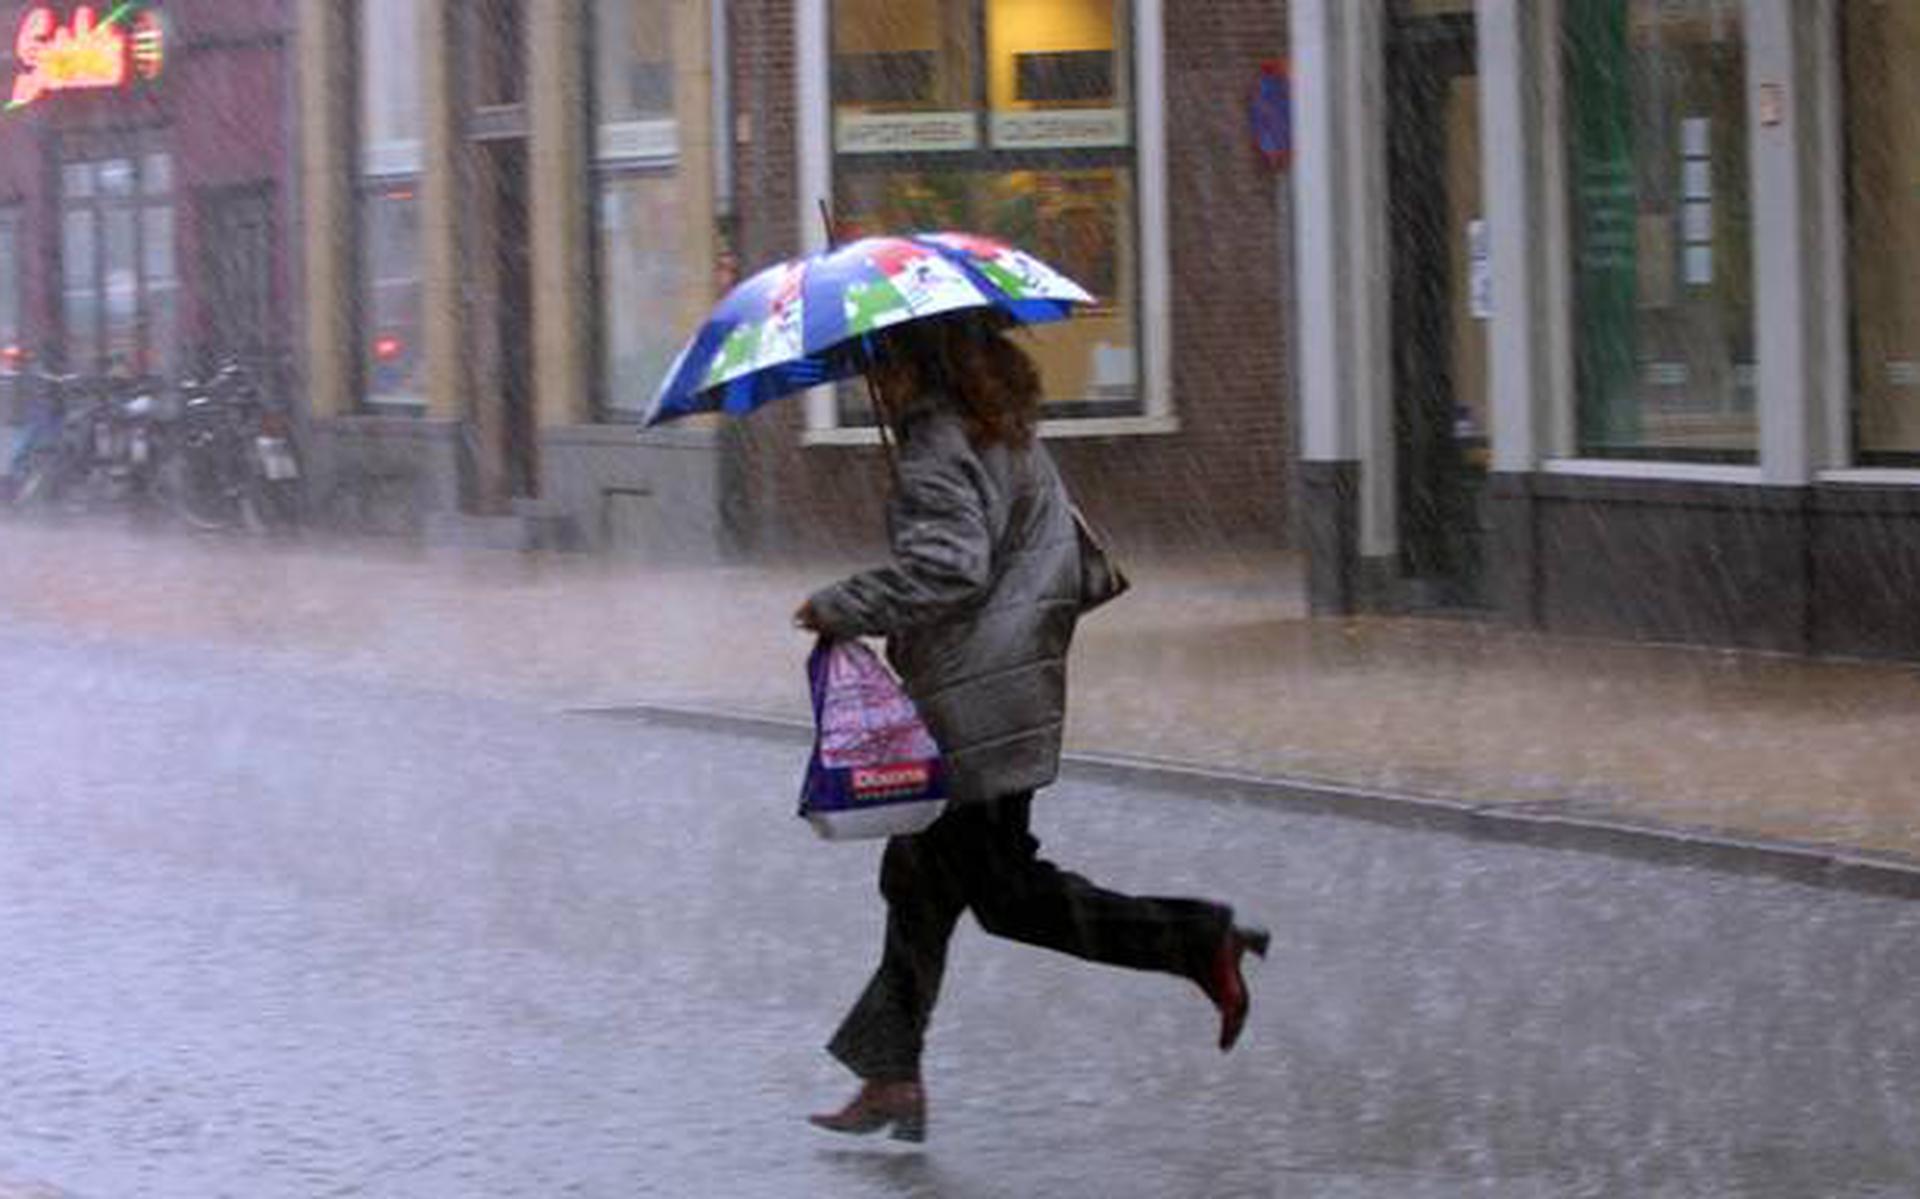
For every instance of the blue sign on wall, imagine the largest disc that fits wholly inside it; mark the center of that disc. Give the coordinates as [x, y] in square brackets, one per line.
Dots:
[1270, 113]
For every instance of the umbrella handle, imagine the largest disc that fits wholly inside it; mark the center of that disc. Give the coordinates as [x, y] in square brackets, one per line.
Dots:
[833, 226]
[882, 417]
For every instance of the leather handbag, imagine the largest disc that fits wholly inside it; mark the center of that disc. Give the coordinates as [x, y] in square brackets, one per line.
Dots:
[1101, 578]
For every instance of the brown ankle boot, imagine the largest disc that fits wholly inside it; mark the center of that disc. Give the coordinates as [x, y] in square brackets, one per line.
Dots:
[902, 1104]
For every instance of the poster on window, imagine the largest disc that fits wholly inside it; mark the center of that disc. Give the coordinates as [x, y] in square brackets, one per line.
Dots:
[1061, 129]
[906, 132]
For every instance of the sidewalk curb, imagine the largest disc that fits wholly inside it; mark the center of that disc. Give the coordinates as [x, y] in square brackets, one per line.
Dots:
[1545, 825]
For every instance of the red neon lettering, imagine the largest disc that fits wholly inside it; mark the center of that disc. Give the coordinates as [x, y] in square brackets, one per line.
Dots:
[86, 54]
[36, 29]
[149, 45]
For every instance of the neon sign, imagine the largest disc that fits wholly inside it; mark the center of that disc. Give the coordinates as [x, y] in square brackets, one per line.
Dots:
[149, 44]
[87, 53]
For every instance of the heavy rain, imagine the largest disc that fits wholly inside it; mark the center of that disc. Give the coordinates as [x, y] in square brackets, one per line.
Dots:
[1412, 505]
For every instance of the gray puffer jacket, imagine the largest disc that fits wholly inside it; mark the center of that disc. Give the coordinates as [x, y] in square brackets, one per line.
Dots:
[979, 603]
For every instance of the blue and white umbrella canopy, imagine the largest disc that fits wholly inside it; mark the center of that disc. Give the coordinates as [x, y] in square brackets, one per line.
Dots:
[791, 326]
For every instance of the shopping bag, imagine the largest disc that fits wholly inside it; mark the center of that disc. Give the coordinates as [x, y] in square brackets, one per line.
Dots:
[875, 769]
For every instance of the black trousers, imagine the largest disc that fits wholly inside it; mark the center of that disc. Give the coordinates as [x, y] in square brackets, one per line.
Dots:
[981, 856]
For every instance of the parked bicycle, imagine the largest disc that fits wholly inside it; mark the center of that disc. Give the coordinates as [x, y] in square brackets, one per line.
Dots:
[236, 464]
[50, 457]
[91, 442]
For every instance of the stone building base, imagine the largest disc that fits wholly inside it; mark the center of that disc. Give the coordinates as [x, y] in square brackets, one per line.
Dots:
[611, 489]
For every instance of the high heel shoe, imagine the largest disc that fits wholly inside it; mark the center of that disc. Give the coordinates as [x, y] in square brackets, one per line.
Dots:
[1226, 986]
[879, 1104]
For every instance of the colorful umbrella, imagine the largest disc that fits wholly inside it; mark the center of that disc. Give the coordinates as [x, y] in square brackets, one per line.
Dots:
[793, 325]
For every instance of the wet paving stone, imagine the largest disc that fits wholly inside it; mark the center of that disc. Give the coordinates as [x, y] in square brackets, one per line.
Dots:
[275, 932]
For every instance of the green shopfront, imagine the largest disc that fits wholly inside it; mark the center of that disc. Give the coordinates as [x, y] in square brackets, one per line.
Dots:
[1659, 378]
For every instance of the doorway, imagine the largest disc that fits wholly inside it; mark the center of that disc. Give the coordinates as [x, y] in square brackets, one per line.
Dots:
[236, 253]
[498, 271]
[502, 273]
[1437, 234]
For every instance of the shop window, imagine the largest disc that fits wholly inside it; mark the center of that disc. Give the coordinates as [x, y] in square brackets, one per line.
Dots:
[1064, 77]
[633, 60]
[1011, 118]
[13, 347]
[120, 289]
[160, 285]
[652, 287]
[390, 244]
[892, 58]
[389, 59]
[1883, 175]
[13, 266]
[79, 292]
[390, 323]
[893, 79]
[496, 40]
[645, 281]
[1662, 229]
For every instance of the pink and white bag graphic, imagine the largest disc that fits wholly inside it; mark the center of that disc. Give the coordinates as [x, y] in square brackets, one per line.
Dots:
[875, 769]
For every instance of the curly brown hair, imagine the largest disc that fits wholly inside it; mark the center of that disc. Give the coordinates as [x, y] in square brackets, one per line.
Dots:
[971, 358]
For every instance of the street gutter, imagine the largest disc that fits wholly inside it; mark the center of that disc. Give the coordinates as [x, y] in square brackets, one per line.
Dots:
[1543, 825]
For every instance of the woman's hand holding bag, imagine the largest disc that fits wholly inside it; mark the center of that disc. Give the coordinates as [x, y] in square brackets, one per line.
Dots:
[875, 769]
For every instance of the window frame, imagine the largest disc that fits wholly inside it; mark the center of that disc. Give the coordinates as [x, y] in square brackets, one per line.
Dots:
[1148, 218]
[605, 175]
[649, 147]
[13, 274]
[1643, 460]
[1842, 382]
[368, 189]
[138, 148]
[377, 167]
[1793, 127]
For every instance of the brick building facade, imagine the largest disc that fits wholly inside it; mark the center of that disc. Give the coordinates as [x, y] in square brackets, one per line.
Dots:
[673, 143]
[146, 184]
[1221, 478]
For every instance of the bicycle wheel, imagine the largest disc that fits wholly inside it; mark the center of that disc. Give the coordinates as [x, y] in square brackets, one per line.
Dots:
[197, 489]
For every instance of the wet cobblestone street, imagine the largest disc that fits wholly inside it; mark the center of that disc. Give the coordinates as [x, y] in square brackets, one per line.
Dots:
[272, 934]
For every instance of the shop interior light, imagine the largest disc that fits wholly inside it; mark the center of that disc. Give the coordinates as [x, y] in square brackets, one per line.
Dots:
[388, 347]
